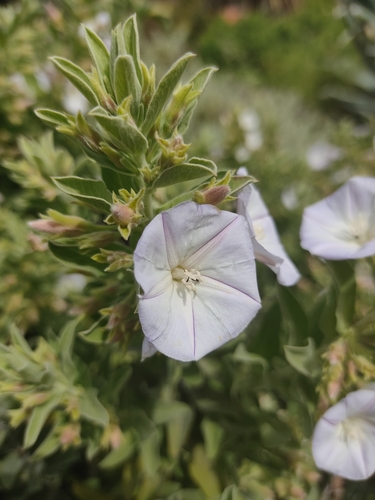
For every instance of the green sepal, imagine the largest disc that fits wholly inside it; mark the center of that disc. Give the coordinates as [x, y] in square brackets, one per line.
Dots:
[93, 192]
[193, 169]
[117, 456]
[77, 77]
[164, 91]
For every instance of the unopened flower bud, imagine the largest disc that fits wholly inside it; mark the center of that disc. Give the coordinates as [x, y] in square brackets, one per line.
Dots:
[122, 214]
[70, 435]
[212, 196]
[53, 227]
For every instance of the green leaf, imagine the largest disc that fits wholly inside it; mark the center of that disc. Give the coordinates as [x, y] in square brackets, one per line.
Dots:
[202, 474]
[242, 355]
[92, 409]
[194, 169]
[178, 417]
[239, 182]
[343, 273]
[92, 192]
[50, 444]
[99, 54]
[38, 418]
[213, 435]
[294, 317]
[74, 258]
[52, 117]
[77, 77]
[123, 452]
[131, 39]
[19, 340]
[198, 82]
[126, 136]
[303, 358]
[126, 81]
[66, 342]
[164, 91]
[95, 334]
[232, 493]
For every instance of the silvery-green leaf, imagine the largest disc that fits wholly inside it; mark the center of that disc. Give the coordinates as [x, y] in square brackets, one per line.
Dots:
[193, 169]
[92, 192]
[99, 54]
[131, 38]
[164, 91]
[52, 117]
[38, 418]
[126, 80]
[77, 77]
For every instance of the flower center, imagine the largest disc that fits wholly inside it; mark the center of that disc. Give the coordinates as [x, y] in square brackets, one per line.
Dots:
[351, 429]
[258, 231]
[190, 278]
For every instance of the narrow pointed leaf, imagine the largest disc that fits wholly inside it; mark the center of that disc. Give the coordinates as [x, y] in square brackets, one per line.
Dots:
[164, 91]
[131, 39]
[38, 418]
[92, 409]
[77, 77]
[303, 358]
[117, 456]
[72, 257]
[99, 54]
[126, 80]
[52, 117]
[194, 169]
[91, 191]
[199, 83]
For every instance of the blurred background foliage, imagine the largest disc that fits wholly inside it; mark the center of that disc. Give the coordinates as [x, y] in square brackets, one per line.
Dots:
[82, 418]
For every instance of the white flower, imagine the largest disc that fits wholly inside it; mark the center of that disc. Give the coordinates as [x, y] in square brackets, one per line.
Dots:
[320, 155]
[74, 101]
[342, 226]
[266, 242]
[196, 267]
[344, 438]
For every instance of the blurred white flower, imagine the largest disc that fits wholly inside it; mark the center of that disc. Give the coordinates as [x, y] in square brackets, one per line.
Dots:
[253, 140]
[148, 349]
[74, 101]
[196, 267]
[242, 154]
[289, 198]
[342, 226]
[266, 242]
[344, 438]
[43, 80]
[249, 120]
[71, 283]
[320, 155]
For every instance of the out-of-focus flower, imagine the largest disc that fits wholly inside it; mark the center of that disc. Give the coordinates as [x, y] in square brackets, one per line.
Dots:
[344, 438]
[266, 242]
[196, 267]
[249, 120]
[73, 100]
[320, 155]
[342, 226]
[289, 198]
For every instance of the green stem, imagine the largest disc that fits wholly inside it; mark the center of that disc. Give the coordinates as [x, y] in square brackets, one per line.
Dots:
[149, 211]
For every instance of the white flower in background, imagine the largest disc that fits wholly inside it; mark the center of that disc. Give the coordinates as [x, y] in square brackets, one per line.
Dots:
[320, 155]
[253, 140]
[196, 267]
[289, 198]
[74, 101]
[266, 242]
[342, 226]
[249, 122]
[344, 438]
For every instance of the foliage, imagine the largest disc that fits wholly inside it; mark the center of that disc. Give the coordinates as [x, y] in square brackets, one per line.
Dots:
[81, 415]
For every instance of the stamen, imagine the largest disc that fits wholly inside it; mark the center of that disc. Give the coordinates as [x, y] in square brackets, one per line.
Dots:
[190, 278]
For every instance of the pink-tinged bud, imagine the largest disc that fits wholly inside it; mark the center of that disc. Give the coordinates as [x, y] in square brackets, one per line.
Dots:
[52, 227]
[334, 389]
[70, 435]
[122, 214]
[212, 196]
[115, 438]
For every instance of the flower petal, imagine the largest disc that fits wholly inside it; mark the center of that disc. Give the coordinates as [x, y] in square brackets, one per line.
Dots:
[268, 247]
[344, 438]
[337, 227]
